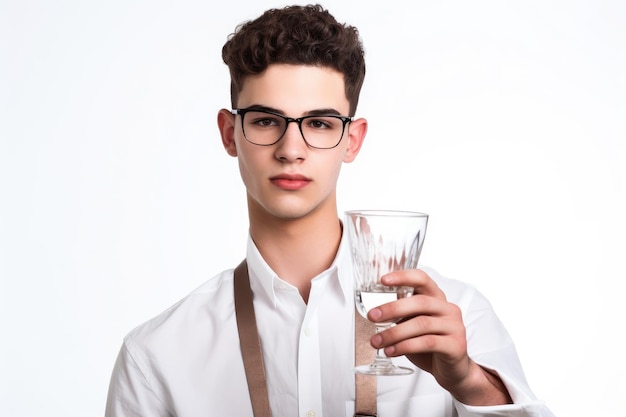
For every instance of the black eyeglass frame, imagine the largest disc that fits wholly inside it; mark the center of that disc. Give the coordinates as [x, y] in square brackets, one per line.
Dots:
[298, 120]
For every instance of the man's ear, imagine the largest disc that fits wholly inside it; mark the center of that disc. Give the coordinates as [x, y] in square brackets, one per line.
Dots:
[226, 125]
[356, 135]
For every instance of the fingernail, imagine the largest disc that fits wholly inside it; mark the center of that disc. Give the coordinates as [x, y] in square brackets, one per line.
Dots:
[389, 351]
[388, 280]
[376, 340]
[375, 314]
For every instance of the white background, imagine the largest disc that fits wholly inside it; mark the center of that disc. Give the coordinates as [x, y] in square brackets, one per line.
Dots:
[503, 120]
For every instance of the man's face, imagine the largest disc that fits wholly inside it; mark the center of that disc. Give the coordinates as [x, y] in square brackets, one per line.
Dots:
[289, 180]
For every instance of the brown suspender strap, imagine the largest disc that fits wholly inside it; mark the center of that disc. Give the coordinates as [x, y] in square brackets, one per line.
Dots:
[365, 396]
[365, 385]
[250, 343]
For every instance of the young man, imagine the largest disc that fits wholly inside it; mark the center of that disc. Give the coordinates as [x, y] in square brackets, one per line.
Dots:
[296, 76]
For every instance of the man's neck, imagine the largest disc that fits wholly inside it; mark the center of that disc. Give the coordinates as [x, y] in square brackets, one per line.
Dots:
[297, 250]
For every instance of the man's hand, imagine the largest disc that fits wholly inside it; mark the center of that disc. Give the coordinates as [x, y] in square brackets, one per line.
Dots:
[431, 334]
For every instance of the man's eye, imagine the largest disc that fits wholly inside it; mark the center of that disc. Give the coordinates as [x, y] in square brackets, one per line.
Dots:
[265, 122]
[320, 124]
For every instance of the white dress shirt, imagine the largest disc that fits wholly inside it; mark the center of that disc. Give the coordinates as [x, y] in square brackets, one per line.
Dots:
[186, 362]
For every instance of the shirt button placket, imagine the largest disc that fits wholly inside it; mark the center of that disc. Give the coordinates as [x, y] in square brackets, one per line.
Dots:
[309, 367]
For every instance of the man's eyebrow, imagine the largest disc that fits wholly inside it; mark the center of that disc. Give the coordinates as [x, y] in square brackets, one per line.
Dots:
[316, 112]
[260, 107]
[322, 112]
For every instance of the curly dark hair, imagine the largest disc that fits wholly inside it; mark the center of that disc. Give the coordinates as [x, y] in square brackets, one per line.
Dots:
[299, 35]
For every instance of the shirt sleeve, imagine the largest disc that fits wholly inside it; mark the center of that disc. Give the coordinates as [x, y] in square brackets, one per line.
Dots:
[490, 345]
[130, 393]
[523, 405]
[532, 409]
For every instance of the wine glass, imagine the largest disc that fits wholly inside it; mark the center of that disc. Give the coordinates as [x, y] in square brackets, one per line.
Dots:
[383, 241]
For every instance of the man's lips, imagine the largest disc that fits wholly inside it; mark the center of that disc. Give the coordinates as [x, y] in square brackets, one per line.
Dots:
[290, 181]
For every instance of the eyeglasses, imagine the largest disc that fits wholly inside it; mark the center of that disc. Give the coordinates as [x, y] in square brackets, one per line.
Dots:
[265, 128]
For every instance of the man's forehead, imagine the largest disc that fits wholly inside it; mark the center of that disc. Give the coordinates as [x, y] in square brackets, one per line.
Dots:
[289, 88]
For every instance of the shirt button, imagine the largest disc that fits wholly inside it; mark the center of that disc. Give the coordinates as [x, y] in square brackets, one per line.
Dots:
[308, 331]
[310, 413]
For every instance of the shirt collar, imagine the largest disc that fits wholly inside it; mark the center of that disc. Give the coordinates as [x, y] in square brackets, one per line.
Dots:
[263, 278]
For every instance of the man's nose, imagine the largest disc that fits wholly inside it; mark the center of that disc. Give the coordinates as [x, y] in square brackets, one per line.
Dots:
[292, 146]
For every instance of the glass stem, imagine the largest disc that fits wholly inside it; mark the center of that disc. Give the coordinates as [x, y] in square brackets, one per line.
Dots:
[380, 352]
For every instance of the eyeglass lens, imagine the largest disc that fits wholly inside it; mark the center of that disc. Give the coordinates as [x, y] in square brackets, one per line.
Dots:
[263, 128]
